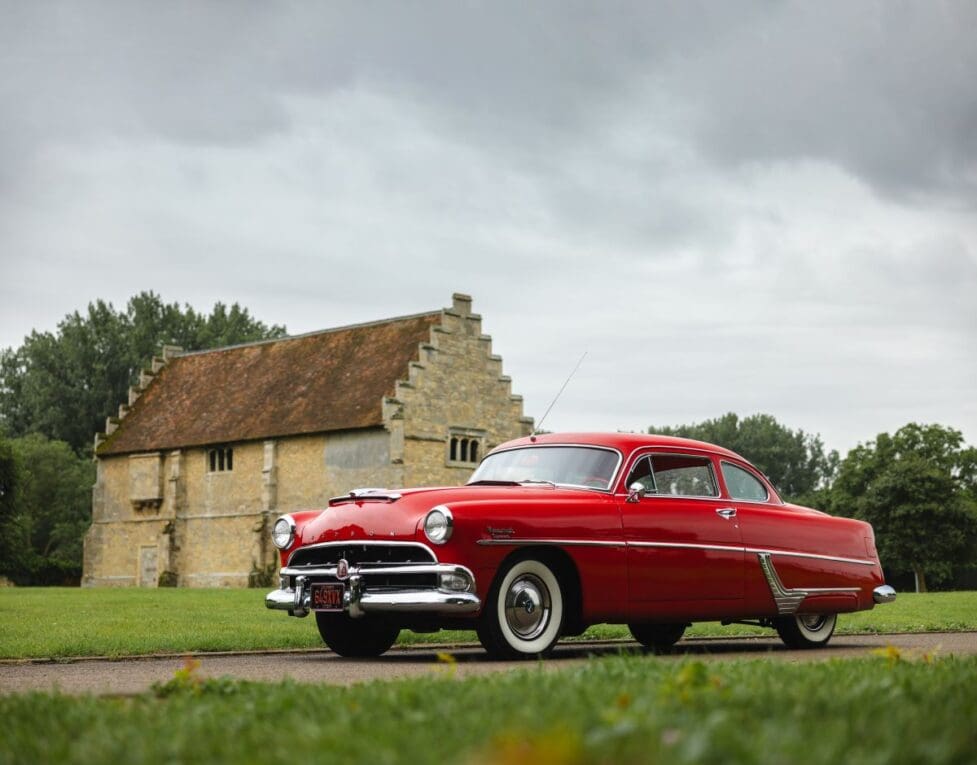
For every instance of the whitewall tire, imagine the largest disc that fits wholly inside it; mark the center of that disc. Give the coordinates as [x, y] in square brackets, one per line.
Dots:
[524, 611]
[806, 630]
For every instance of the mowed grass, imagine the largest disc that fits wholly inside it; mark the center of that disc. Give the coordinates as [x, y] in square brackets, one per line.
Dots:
[69, 622]
[625, 709]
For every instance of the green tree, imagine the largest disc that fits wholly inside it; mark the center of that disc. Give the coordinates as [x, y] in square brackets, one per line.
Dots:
[918, 489]
[64, 385]
[42, 526]
[7, 483]
[794, 461]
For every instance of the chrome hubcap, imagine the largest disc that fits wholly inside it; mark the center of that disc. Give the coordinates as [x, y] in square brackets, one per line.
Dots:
[812, 622]
[527, 607]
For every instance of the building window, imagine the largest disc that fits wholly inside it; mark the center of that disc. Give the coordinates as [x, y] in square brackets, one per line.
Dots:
[220, 460]
[464, 447]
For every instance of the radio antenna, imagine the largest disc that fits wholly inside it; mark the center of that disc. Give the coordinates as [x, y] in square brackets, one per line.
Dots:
[557, 396]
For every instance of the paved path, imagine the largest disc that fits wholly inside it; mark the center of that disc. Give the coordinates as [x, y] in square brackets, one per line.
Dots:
[137, 675]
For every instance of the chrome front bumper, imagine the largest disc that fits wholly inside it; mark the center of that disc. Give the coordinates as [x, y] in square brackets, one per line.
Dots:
[453, 597]
[883, 594]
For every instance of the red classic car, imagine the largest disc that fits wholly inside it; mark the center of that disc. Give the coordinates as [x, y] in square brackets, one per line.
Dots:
[554, 533]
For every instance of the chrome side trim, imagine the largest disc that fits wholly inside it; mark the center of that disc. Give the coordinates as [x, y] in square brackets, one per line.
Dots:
[789, 600]
[670, 545]
[684, 546]
[521, 541]
[364, 543]
[815, 556]
[883, 594]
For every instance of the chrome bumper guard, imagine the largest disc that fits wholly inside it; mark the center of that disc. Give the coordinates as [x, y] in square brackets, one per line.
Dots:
[453, 596]
[883, 594]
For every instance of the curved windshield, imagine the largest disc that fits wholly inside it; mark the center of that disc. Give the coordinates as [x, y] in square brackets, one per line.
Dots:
[564, 465]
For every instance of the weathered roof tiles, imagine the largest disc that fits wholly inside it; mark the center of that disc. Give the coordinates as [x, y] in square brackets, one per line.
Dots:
[320, 382]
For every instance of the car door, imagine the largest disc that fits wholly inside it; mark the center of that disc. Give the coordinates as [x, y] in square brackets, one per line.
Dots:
[683, 539]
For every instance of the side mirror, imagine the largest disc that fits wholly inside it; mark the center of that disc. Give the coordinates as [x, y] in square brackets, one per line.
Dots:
[635, 492]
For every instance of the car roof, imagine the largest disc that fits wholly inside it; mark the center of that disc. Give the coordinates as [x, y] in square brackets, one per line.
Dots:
[624, 442]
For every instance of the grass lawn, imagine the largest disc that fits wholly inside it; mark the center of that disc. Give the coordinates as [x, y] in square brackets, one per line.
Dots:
[66, 622]
[631, 709]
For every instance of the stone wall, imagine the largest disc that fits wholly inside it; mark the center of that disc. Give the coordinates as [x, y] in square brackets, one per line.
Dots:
[458, 388]
[220, 518]
[127, 543]
[211, 529]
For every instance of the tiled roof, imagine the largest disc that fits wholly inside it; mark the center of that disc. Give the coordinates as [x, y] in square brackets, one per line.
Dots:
[320, 382]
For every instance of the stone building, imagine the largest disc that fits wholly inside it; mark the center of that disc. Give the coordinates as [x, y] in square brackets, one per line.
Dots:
[214, 445]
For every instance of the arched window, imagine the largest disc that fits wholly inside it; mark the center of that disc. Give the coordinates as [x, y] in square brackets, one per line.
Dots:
[465, 447]
[220, 459]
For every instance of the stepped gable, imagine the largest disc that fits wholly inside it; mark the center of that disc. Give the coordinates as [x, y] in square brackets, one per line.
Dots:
[324, 381]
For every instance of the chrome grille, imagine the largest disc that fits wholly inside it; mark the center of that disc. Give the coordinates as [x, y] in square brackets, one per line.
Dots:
[358, 554]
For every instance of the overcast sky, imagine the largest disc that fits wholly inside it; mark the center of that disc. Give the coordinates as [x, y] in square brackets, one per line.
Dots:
[750, 207]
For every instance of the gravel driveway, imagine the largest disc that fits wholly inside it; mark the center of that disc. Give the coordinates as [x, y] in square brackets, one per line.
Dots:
[131, 676]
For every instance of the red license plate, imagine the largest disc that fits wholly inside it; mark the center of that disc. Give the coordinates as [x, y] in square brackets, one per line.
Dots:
[327, 597]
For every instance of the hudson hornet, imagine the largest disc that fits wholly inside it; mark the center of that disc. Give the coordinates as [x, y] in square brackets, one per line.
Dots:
[554, 533]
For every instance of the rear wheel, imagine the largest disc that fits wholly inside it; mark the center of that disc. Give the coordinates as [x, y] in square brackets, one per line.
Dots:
[355, 638]
[806, 630]
[524, 611]
[658, 637]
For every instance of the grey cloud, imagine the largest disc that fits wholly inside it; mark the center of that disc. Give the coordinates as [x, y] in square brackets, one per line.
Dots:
[631, 180]
[200, 72]
[886, 91]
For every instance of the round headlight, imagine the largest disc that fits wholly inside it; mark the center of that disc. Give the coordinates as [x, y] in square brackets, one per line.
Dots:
[438, 525]
[283, 532]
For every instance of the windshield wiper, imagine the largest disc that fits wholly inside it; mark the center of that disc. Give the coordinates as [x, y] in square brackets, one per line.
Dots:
[538, 480]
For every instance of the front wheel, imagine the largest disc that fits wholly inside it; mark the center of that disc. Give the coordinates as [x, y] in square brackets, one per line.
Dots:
[806, 630]
[355, 638]
[524, 611]
[658, 637]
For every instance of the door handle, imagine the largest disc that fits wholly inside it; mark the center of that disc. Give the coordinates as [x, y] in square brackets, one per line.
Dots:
[726, 512]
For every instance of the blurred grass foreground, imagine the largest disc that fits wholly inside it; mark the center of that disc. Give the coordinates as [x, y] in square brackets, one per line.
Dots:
[621, 709]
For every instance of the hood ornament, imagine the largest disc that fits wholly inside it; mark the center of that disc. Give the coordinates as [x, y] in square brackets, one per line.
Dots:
[366, 495]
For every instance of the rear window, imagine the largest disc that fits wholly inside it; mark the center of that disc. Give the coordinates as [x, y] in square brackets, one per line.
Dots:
[742, 484]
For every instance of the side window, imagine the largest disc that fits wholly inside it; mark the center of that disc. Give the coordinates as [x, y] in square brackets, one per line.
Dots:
[677, 474]
[743, 485]
[684, 475]
[641, 473]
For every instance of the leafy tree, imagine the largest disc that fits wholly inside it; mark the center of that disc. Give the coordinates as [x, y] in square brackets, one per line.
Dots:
[918, 489]
[794, 461]
[64, 385]
[41, 529]
[7, 483]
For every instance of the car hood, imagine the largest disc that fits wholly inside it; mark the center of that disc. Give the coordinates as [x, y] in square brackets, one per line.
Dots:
[399, 518]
